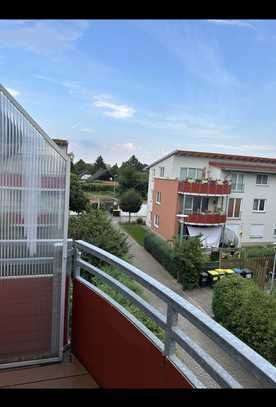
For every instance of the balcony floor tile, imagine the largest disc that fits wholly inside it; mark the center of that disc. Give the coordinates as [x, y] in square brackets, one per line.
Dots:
[67, 374]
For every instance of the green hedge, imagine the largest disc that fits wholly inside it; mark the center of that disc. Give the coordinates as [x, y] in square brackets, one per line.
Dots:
[184, 261]
[96, 187]
[161, 251]
[249, 313]
[257, 251]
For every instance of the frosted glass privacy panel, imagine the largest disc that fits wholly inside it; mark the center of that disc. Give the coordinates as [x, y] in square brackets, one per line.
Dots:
[32, 231]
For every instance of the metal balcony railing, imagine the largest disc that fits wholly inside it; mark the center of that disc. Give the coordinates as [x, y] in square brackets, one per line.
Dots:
[237, 187]
[245, 357]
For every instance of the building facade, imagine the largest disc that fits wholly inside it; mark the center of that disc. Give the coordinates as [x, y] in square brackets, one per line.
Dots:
[223, 197]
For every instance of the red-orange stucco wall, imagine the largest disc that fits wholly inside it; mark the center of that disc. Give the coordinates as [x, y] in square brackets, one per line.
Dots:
[167, 209]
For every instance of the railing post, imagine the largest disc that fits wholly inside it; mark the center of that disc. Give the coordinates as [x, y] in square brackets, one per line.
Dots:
[170, 345]
[76, 267]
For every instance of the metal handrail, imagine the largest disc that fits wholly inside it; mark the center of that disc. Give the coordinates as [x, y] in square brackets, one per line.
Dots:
[243, 354]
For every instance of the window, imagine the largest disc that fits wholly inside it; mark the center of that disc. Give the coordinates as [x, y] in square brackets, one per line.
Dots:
[237, 182]
[196, 204]
[274, 230]
[262, 179]
[188, 205]
[162, 171]
[158, 197]
[153, 172]
[259, 205]
[256, 230]
[234, 208]
[193, 173]
[156, 221]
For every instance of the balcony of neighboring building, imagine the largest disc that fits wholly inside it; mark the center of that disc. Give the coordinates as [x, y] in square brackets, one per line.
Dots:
[204, 187]
[202, 210]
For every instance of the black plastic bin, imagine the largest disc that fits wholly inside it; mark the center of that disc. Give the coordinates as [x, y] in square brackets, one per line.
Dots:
[204, 279]
[246, 273]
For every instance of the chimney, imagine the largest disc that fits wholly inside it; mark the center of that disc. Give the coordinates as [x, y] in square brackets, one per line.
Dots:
[63, 144]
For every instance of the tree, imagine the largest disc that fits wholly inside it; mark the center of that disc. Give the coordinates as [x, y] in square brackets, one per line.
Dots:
[134, 163]
[78, 201]
[130, 202]
[99, 163]
[114, 170]
[189, 259]
[130, 178]
[80, 167]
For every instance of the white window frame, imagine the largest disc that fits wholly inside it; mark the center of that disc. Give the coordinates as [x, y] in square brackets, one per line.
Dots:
[198, 171]
[262, 184]
[162, 172]
[258, 210]
[234, 208]
[156, 221]
[257, 236]
[237, 183]
[158, 195]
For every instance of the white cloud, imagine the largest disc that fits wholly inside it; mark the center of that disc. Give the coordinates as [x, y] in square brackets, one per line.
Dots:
[114, 110]
[87, 130]
[188, 44]
[13, 92]
[41, 36]
[237, 23]
[127, 147]
[181, 123]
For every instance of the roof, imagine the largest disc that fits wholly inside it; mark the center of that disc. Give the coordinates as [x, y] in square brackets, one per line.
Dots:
[244, 167]
[60, 142]
[99, 173]
[219, 156]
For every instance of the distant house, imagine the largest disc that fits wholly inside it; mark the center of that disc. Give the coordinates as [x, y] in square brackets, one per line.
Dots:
[85, 177]
[102, 174]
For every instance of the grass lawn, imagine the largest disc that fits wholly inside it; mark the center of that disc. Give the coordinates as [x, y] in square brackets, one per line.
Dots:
[136, 231]
[101, 195]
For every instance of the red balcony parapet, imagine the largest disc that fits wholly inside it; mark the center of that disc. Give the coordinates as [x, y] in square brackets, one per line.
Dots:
[208, 188]
[206, 218]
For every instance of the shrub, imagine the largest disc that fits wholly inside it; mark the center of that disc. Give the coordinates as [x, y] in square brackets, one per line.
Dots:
[124, 302]
[189, 260]
[214, 256]
[249, 313]
[161, 251]
[95, 227]
[96, 187]
[258, 251]
[228, 297]
[140, 221]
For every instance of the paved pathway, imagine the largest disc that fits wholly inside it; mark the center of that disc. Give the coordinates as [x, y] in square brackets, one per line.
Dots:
[201, 298]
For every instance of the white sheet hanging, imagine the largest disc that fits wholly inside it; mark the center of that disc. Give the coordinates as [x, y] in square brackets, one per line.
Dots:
[210, 234]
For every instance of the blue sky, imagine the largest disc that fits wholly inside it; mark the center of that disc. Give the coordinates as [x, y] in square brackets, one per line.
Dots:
[146, 87]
